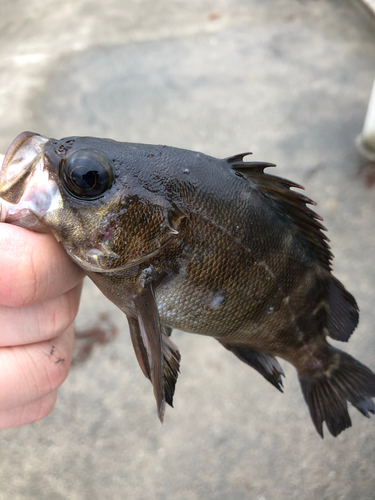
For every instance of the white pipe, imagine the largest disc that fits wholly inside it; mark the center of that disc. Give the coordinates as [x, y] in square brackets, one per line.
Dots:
[366, 141]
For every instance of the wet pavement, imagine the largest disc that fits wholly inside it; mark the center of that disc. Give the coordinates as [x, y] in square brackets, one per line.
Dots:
[286, 79]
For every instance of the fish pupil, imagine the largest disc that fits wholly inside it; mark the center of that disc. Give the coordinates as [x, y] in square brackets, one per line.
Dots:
[84, 179]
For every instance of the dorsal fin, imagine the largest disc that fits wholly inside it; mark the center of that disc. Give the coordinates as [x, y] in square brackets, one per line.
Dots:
[237, 163]
[237, 158]
[290, 203]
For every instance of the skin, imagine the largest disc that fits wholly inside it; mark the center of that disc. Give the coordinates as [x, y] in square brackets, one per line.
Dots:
[40, 289]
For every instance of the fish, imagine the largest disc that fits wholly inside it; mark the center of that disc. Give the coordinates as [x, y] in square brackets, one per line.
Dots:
[181, 240]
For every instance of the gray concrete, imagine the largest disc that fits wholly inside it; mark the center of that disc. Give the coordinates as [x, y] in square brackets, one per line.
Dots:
[289, 80]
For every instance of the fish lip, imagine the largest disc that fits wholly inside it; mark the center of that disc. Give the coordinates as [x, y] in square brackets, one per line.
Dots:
[17, 144]
[26, 189]
[20, 158]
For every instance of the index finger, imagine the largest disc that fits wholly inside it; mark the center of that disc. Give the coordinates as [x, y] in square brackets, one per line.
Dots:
[35, 267]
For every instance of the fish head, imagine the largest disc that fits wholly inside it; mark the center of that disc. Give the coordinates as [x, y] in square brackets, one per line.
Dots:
[80, 190]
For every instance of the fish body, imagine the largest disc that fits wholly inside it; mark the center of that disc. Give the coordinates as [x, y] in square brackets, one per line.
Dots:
[179, 239]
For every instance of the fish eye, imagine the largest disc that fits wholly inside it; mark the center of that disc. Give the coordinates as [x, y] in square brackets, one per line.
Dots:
[87, 173]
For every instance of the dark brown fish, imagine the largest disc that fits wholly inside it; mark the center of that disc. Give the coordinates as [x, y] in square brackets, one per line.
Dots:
[178, 239]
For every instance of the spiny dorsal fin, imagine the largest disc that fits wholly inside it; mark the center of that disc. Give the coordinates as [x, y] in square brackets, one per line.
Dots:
[289, 203]
[237, 163]
[237, 158]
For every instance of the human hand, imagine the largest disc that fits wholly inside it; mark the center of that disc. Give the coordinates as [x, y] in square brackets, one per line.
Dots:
[40, 289]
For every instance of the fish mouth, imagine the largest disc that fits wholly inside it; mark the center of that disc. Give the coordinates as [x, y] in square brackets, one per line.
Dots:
[18, 162]
[26, 191]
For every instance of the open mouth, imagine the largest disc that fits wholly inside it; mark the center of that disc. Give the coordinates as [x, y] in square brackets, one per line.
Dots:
[18, 164]
[27, 193]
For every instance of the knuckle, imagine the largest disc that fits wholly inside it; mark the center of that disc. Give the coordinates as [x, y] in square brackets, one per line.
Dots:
[30, 372]
[15, 251]
[56, 368]
[22, 292]
[58, 314]
[38, 322]
[51, 363]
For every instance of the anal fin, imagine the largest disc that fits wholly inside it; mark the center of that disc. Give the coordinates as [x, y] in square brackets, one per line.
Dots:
[264, 363]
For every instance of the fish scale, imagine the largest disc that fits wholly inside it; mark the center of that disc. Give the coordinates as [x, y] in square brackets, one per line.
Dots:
[178, 239]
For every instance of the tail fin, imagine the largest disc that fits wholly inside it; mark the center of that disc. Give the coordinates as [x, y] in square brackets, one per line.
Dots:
[327, 393]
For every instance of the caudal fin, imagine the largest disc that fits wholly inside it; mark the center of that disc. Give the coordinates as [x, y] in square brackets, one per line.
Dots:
[327, 393]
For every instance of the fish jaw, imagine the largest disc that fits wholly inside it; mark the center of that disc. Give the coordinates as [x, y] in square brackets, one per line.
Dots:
[27, 190]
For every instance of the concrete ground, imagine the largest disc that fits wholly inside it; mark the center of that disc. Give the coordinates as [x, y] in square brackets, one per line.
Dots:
[287, 79]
